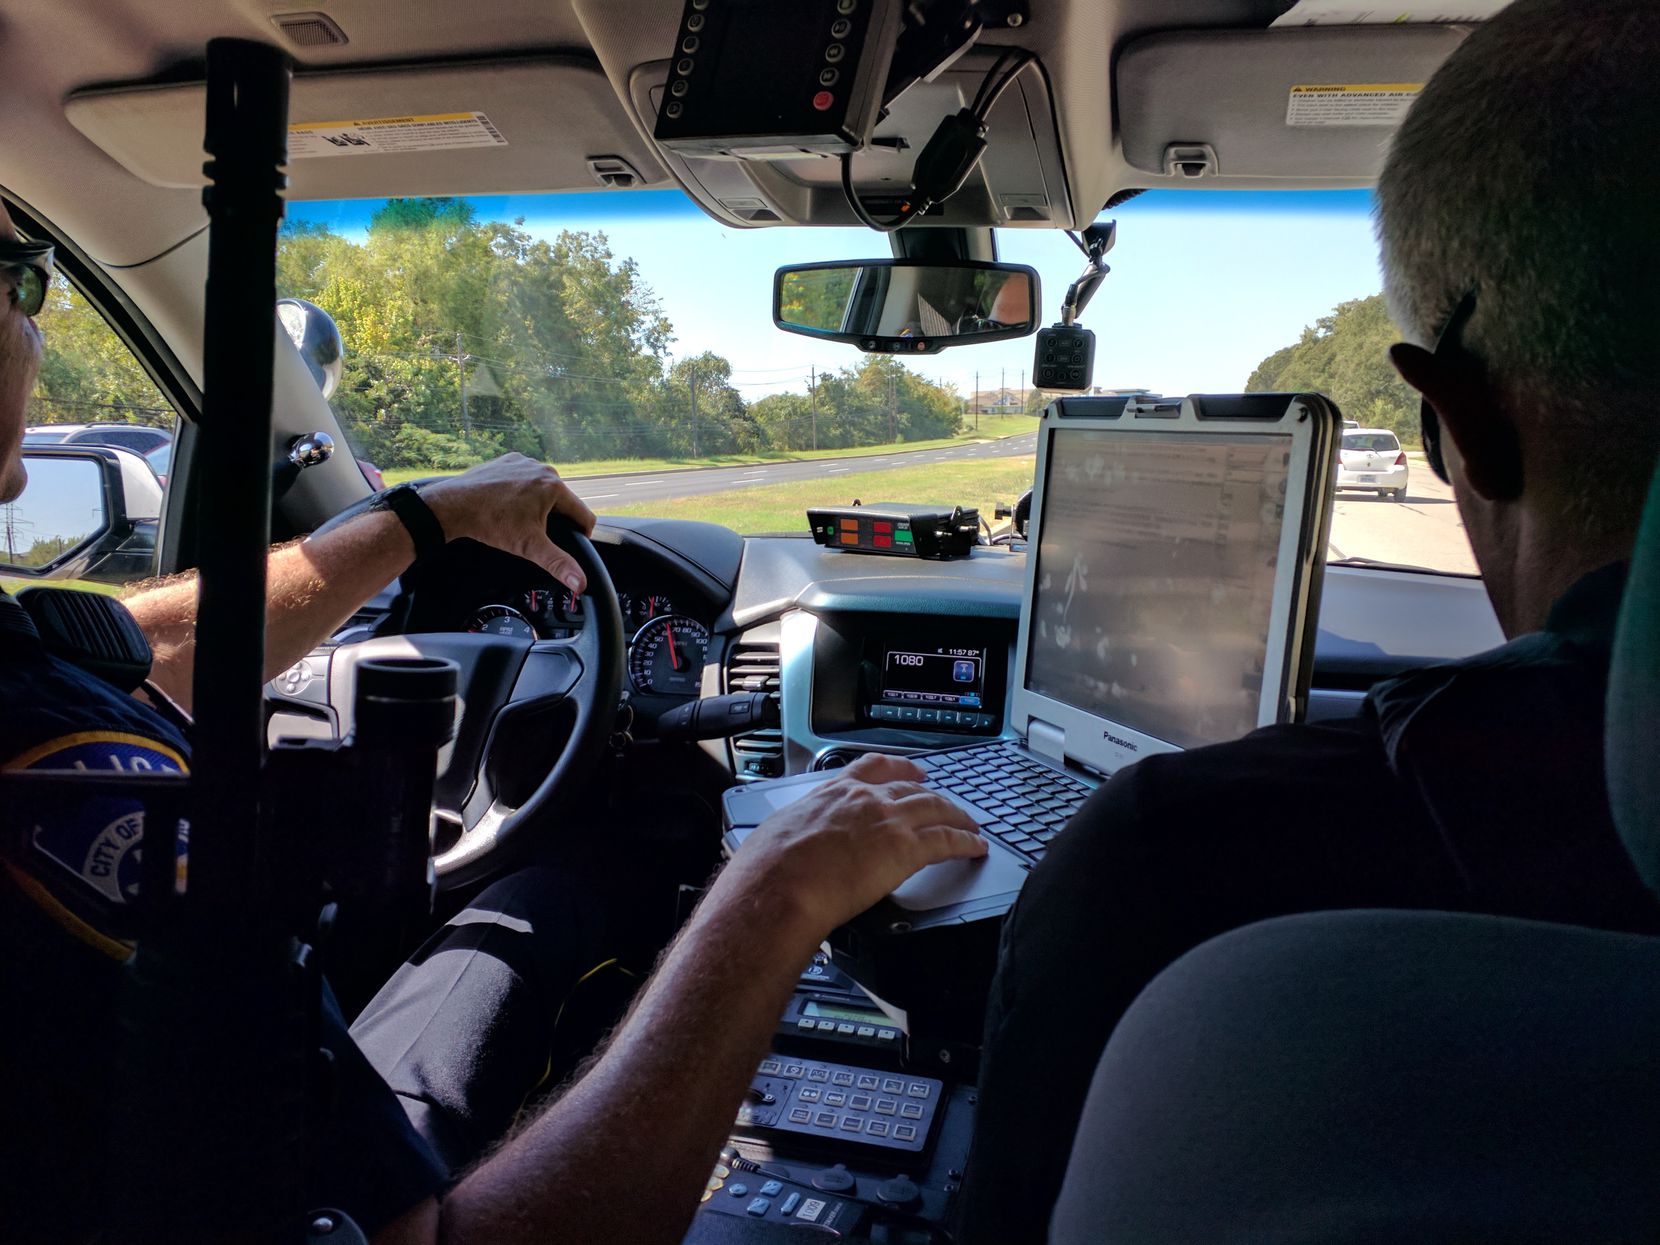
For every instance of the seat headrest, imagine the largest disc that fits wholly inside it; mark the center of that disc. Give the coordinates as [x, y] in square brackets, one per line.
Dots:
[1632, 731]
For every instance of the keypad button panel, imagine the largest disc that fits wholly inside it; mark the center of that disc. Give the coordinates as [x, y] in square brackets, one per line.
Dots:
[843, 1104]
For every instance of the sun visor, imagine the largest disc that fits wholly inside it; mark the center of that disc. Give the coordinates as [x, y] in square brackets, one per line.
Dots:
[1306, 102]
[515, 126]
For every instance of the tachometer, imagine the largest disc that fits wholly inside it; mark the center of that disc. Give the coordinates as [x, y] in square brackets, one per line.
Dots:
[666, 656]
[501, 620]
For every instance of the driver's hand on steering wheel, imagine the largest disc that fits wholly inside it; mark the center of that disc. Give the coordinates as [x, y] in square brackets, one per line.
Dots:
[506, 504]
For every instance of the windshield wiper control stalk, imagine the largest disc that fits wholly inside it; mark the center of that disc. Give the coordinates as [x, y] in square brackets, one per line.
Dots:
[717, 717]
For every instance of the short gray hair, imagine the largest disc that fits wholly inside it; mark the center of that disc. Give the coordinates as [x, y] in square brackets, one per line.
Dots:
[1527, 169]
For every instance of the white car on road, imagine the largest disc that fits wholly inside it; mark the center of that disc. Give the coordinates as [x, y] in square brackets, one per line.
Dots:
[1372, 458]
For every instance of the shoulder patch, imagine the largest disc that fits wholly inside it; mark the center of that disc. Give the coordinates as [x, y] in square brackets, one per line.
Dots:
[100, 841]
[105, 751]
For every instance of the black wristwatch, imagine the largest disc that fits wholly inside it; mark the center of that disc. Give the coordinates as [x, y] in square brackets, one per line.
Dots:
[405, 501]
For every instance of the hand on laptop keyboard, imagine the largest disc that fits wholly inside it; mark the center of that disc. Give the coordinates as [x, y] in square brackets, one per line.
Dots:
[852, 840]
[1013, 798]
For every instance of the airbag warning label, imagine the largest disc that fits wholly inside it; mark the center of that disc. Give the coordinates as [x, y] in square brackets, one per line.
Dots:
[1351, 103]
[389, 135]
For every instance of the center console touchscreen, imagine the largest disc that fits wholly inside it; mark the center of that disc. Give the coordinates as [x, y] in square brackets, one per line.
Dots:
[932, 685]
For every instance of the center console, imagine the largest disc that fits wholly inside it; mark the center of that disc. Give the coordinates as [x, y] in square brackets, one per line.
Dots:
[913, 676]
[838, 1132]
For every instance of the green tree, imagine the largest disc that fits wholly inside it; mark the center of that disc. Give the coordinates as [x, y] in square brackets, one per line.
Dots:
[87, 374]
[1345, 355]
[784, 420]
[817, 298]
[724, 425]
[557, 345]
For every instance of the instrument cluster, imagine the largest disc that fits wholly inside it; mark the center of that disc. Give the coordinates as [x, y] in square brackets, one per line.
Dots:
[665, 649]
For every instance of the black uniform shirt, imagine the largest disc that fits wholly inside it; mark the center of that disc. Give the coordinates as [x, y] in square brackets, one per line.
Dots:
[1472, 786]
[60, 964]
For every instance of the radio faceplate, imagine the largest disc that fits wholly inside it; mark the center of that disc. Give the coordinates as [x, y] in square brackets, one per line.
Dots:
[917, 676]
[932, 687]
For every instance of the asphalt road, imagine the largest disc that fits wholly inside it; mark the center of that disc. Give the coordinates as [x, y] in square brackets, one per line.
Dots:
[598, 491]
[1424, 530]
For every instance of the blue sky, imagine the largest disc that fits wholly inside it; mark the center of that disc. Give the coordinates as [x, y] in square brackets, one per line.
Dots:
[1204, 284]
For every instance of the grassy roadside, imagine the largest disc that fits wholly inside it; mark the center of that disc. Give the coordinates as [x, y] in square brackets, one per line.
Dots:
[15, 586]
[991, 426]
[783, 507]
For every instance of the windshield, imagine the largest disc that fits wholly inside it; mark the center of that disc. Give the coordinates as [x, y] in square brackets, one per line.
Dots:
[627, 338]
[1370, 441]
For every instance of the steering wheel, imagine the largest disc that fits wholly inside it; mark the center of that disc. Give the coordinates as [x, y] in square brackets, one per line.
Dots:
[504, 683]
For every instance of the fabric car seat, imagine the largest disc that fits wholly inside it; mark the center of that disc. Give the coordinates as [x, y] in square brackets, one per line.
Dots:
[1384, 1076]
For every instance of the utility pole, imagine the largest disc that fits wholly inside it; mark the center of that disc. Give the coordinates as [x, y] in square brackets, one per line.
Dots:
[814, 389]
[1023, 391]
[976, 401]
[12, 525]
[461, 372]
[1003, 388]
[893, 411]
[694, 410]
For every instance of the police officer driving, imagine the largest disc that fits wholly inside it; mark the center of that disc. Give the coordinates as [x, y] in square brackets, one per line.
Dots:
[431, 1076]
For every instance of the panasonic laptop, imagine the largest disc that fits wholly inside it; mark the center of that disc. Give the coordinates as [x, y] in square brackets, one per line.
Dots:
[1172, 583]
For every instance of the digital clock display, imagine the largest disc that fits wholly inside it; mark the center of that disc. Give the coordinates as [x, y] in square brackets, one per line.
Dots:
[942, 677]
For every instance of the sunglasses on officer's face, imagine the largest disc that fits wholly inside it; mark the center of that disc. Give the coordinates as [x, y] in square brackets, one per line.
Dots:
[1445, 345]
[26, 268]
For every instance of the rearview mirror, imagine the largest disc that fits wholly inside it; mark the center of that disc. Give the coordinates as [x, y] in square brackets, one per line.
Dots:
[88, 512]
[904, 306]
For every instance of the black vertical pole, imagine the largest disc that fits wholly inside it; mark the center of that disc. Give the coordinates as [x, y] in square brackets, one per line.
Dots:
[247, 138]
[223, 968]
[214, 1023]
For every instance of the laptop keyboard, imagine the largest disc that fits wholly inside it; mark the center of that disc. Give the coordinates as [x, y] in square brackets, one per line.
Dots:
[1019, 801]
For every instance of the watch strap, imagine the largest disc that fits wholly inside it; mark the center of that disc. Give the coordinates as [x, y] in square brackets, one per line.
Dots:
[405, 501]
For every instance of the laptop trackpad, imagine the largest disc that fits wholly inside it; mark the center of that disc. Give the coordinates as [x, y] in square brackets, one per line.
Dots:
[958, 881]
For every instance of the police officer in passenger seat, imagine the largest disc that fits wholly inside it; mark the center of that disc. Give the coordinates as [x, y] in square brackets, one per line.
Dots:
[1524, 283]
[435, 1070]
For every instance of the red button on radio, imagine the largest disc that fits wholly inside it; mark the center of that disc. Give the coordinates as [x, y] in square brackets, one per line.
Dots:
[823, 100]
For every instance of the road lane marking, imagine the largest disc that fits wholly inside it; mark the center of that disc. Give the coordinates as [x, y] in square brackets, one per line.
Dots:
[836, 471]
[595, 496]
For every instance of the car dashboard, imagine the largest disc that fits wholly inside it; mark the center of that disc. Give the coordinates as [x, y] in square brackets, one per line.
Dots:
[832, 633]
[667, 611]
[864, 653]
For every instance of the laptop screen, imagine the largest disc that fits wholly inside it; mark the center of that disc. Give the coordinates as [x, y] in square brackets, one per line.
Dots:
[1154, 584]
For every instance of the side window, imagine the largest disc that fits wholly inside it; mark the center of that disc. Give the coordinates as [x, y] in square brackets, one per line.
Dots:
[91, 392]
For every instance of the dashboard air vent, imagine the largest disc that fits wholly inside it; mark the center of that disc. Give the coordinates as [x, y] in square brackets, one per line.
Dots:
[753, 667]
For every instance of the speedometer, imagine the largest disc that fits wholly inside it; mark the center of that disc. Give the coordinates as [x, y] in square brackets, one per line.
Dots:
[666, 656]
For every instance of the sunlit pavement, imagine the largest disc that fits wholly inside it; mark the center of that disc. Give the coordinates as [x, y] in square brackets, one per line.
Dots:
[1424, 530]
[598, 491]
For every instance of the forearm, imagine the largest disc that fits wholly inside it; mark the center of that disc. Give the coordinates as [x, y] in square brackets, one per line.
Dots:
[312, 586]
[656, 1108]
